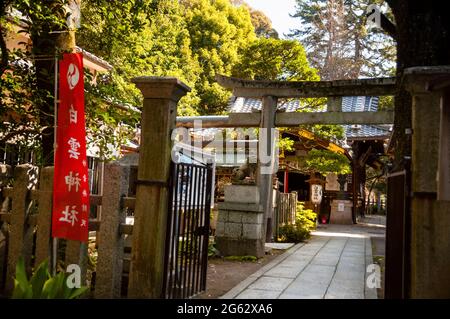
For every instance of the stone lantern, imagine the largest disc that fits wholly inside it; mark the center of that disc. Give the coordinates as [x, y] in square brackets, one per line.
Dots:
[341, 207]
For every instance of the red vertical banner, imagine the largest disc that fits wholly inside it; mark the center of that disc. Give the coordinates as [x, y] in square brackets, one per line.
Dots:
[71, 187]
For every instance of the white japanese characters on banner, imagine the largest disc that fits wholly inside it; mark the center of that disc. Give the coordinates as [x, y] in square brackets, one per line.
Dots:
[71, 187]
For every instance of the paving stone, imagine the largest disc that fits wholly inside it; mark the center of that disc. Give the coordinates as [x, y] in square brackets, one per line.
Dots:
[317, 273]
[299, 255]
[299, 258]
[330, 251]
[355, 254]
[271, 283]
[309, 295]
[330, 266]
[258, 294]
[349, 289]
[346, 286]
[305, 289]
[349, 275]
[352, 260]
[285, 271]
[344, 296]
[326, 261]
[355, 251]
[293, 263]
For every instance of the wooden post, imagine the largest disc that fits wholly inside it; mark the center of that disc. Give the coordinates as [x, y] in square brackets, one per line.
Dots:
[18, 225]
[269, 108]
[444, 148]
[44, 218]
[426, 222]
[161, 96]
[76, 253]
[355, 179]
[286, 180]
[110, 251]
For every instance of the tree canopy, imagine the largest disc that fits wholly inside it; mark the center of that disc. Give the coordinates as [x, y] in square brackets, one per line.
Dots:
[338, 42]
[326, 162]
[274, 59]
[193, 40]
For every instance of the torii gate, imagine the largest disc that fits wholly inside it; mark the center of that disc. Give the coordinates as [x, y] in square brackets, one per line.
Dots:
[269, 118]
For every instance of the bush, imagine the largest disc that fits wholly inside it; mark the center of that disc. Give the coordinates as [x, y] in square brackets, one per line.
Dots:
[42, 285]
[305, 222]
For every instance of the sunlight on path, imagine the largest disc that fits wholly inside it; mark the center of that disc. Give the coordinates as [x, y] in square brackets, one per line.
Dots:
[331, 265]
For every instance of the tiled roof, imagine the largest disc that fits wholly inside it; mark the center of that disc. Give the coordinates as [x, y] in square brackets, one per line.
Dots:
[349, 104]
[248, 105]
[359, 104]
[366, 131]
[363, 104]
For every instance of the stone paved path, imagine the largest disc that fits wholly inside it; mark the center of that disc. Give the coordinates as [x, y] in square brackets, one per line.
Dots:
[332, 264]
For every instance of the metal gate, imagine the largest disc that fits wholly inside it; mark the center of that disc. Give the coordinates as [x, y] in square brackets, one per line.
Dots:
[188, 230]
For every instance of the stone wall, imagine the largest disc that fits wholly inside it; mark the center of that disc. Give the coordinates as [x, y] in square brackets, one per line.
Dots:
[240, 229]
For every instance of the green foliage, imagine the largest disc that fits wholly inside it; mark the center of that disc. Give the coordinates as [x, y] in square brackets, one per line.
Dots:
[26, 98]
[305, 222]
[212, 250]
[108, 126]
[158, 44]
[218, 31]
[17, 123]
[274, 59]
[42, 285]
[285, 143]
[328, 132]
[325, 162]
[193, 40]
[386, 103]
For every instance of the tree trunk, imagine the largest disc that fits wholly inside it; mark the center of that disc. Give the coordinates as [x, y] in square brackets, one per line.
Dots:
[423, 39]
[46, 46]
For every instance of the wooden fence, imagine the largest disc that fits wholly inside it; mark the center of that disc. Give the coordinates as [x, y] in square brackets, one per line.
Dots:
[285, 211]
[25, 220]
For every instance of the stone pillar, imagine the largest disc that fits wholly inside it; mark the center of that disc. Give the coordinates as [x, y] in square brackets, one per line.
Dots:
[265, 169]
[430, 218]
[111, 249]
[240, 225]
[161, 96]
